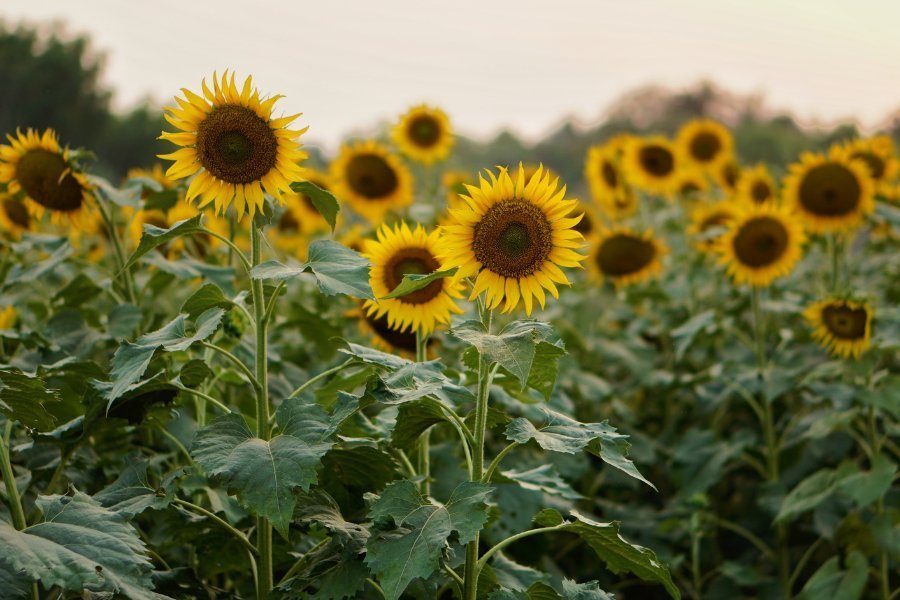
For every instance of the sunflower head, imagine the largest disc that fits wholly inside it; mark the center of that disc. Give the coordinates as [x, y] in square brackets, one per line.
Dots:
[756, 186]
[709, 221]
[7, 317]
[625, 257]
[424, 134]
[830, 193]
[232, 146]
[691, 183]
[844, 327]
[14, 216]
[878, 154]
[371, 179]
[383, 336]
[602, 172]
[652, 164]
[764, 242]
[512, 236]
[36, 166]
[727, 175]
[705, 143]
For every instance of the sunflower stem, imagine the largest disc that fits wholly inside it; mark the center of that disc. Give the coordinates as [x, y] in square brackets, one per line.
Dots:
[125, 273]
[834, 248]
[424, 455]
[9, 479]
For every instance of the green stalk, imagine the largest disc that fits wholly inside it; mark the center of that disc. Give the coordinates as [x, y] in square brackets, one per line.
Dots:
[424, 455]
[15, 503]
[128, 283]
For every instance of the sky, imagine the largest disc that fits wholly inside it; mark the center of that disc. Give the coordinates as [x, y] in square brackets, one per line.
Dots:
[523, 65]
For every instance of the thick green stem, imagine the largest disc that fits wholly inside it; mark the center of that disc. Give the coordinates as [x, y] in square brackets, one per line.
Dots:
[424, 455]
[9, 479]
[324, 374]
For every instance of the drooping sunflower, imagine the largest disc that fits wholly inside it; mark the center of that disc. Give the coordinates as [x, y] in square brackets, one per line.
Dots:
[626, 257]
[708, 219]
[44, 172]
[423, 134]
[705, 143]
[232, 146]
[14, 216]
[603, 174]
[512, 237]
[830, 193]
[727, 175]
[878, 154]
[652, 164]
[400, 251]
[763, 243]
[371, 179]
[756, 186]
[843, 327]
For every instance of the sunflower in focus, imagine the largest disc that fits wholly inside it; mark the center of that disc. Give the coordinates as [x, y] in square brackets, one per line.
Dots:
[424, 135]
[232, 146]
[400, 251]
[727, 175]
[371, 179]
[878, 154]
[652, 164]
[756, 186]
[708, 222]
[38, 167]
[829, 193]
[529, 170]
[454, 183]
[513, 237]
[843, 327]
[626, 257]
[764, 242]
[705, 143]
[601, 169]
[14, 216]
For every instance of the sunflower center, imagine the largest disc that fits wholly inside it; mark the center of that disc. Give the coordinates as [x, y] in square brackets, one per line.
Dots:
[370, 176]
[845, 322]
[657, 161]
[424, 131]
[760, 242]
[830, 190]
[715, 220]
[730, 175]
[760, 192]
[404, 340]
[16, 212]
[413, 261]
[623, 254]
[235, 145]
[513, 238]
[705, 146]
[40, 173]
[689, 187]
[873, 161]
[609, 174]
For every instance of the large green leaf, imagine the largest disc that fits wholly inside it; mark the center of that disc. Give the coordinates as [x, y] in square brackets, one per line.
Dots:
[413, 282]
[323, 200]
[338, 270]
[154, 237]
[543, 478]
[416, 417]
[208, 296]
[131, 493]
[572, 590]
[413, 547]
[80, 545]
[22, 399]
[832, 582]
[31, 271]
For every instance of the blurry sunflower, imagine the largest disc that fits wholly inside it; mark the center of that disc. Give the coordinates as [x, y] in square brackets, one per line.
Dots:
[355, 236]
[44, 172]
[705, 143]
[7, 317]
[829, 193]
[423, 134]
[300, 214]
[626, 257]
[371, 179]
[588, 219]
[727, 175]
[142, 217]
[707, 219]
[601, 169]
[756, 186]
[652, 164]
[878, 154]
[513, 237]
[14, 217]
[619, 142]
[454, 183]
[691, 182]
[232, 146]
[763, 243]
[620, 206]
[400, 251]
[155, 174]
[843, 327]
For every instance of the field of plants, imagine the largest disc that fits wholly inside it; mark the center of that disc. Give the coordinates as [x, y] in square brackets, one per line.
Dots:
[251, 373]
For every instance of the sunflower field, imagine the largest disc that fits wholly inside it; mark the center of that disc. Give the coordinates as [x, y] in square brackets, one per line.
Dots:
[248, 373]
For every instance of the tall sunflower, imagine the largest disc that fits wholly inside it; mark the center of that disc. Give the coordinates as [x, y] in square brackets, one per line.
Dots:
[513, 237]
[603, 174]
[756, 186]
[878, 154]
[232, 146]
[626, 257]
[705, 143]
[830, 193]
[371, 179]
[763, 243]
[44, 172]
[843, 327]
[424, 134]
[400, 251]
[14, 217]
[652, 164]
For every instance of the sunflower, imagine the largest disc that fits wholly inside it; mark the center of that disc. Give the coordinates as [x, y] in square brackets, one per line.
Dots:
[619, 142]
[383, 336]
[705, 143]
[14, 216]
[355, 236]
[763, 243]
[423, 134]
[626, 257]
[44, 172]
[727, 175]
[454, 183]
[513, 237]
[604, 177]
[652, 164]
[829, 193]
[756, 186]
[155, 174]
[691, 182]
[621, 205]
[843, 327]
[233, 146]
[707, 218]
[7, 317]
[588, 219]
[400, 251]
[529, 170]
[878, 154]
[371, 179]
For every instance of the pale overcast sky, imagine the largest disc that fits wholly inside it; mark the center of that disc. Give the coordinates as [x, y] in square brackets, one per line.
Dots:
[523, 64]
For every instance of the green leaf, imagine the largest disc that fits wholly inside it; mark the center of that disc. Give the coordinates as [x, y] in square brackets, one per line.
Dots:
[413, 548]
[413, 282]
[543, 591]
[374, 357]
[545, 367]
[338, 270]
[865, 487]
[812, 491]
[80, 545]
[20, 273]
[154, 237]
[81, 289]
[22, 399]
[123, 320]
[132, 494]
[886, 397]
[194, 372]
[416, 417]
[831, 582]
[129, 196]
[13, 586]
[323, 200]
[543, 479]
[207, 297]
[512, 575]
[320, 508]
[685, 333]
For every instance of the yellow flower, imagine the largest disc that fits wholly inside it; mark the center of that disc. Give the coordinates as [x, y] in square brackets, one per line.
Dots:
[727, 175]
[756, 186]
[513, 237]
[843, 327]
[705, 143]
[355, 236]
[372, 180]
[603, 174]
[626, 257]
[454, 183]
[424, 134]
[7, 317]
[706, 217]
[232, 146]
[384, 337]
[652, 164]
[762, 244]
[691, 183]
[878, 154]
[14, 217]
[155, 173]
